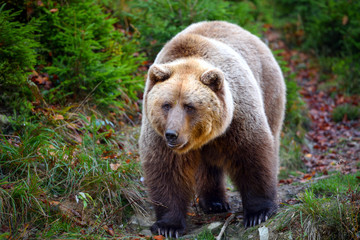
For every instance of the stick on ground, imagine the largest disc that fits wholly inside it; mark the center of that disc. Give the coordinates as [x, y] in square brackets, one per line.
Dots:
[227, 222]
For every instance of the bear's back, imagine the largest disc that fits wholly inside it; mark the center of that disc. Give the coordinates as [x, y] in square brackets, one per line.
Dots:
[250, 47]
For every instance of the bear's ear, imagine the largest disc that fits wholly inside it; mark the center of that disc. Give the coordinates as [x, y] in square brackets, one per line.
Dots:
[213, 78]
[158, 73]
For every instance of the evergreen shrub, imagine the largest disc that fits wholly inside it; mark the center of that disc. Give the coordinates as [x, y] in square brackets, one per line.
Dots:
[159, 20]
[89, 58]
[18, 51]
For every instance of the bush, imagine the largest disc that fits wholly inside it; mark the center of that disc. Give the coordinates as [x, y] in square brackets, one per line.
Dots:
[160, 20]
[90, 59]
[348, 111]
[18, 52]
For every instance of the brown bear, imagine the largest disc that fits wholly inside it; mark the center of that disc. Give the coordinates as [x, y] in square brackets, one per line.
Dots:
[213, 104]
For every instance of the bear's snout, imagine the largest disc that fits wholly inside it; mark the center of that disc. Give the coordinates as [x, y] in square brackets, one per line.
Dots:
[171, 137]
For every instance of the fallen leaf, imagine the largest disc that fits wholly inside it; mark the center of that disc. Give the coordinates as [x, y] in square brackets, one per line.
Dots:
[109, 229]
[345, 20]
[114, 166]
[58, 117]
[159, 237]
[307, 176]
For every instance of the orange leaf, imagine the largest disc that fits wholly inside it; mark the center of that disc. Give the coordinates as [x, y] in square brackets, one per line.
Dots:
[158, 237]
[58, 117]
[128, 161]
[345, 20]
[191, 214]
[307, 176]
[53, 10]
[109, 230]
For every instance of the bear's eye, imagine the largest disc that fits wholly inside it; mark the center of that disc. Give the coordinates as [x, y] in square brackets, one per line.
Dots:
[166, 107]
[189, 108]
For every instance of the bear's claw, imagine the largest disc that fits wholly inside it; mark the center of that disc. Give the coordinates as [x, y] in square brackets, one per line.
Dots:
[167, 230]
[251, 220]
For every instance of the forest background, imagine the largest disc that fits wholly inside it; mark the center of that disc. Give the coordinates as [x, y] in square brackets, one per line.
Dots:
[71, 80]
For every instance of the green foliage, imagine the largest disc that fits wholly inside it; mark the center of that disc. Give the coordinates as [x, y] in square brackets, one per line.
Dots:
[327, 210]
[205, 235]
[87, 59]
[160, 20]
[349, 111]
[332, 29]
[18, 51]
[347, 69]
[90, 58]
[336, 184]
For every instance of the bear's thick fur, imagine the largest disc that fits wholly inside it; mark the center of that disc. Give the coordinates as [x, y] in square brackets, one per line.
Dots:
[214, 103]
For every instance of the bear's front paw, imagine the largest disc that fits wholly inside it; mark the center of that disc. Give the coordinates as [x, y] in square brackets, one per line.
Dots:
[214, 205]
[168, 228]
[257, 216]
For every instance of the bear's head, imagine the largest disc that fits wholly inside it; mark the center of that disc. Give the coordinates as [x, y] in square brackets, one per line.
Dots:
[188, 103]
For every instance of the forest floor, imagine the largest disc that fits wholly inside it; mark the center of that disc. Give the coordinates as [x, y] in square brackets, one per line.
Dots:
[329, 148]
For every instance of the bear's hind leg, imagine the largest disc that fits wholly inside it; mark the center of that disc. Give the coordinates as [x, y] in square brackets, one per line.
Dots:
[211, 189]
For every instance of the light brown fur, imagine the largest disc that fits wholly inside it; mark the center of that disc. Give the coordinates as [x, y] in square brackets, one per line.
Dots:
[219, 88]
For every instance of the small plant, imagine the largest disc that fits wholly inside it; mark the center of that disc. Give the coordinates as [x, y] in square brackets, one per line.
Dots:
[346, 111]
[205, 235]
[85, 198]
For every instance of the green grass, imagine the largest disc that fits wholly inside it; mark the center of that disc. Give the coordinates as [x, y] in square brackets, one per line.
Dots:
[56, 177]
[329, 209]
[205, 235]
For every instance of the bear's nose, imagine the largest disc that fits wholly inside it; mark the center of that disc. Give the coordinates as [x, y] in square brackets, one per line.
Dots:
[171, 135]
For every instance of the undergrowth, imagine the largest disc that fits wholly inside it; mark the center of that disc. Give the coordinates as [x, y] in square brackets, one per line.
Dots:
[74, 171]
[295, 122]
[329, 209]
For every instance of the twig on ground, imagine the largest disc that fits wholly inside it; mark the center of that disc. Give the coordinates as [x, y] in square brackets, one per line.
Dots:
[227, 222]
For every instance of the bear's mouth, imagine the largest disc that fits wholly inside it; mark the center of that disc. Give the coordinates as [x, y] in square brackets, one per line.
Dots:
[174, 146]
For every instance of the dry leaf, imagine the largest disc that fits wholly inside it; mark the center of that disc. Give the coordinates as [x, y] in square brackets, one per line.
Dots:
[159, 237]
[345, 20]
[109, 229]
[58, 117]
[114, 166]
